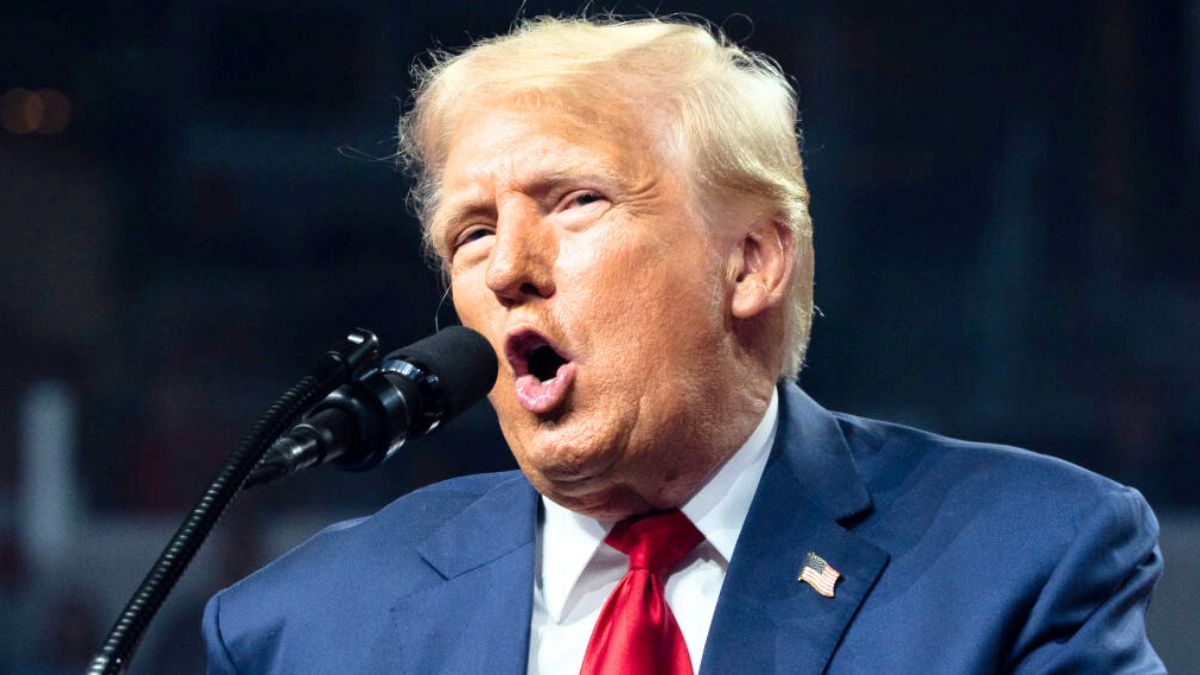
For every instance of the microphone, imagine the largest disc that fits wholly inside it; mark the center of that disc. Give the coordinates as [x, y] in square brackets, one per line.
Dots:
[410, 393]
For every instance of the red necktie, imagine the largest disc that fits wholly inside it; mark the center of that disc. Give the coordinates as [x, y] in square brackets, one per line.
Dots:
[636, 633]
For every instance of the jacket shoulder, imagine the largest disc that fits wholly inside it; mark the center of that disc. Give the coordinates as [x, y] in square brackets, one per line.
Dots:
[897, 460]
[320, 591]
[376, 538]
[1049, 563]
[1011, 511]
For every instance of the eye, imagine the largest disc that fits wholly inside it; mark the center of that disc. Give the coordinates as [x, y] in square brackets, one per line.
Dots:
[468, 235]
[583, 199]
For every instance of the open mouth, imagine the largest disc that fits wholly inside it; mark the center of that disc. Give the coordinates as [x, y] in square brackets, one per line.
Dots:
[544, 363]
[543, 373]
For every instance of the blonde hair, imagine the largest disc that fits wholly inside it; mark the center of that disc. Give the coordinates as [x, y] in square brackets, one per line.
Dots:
[731, 112]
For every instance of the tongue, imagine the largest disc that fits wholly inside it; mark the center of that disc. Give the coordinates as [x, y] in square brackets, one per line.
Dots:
[538, 397]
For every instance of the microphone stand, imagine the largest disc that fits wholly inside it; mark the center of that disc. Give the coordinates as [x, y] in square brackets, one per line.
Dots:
[360, 348]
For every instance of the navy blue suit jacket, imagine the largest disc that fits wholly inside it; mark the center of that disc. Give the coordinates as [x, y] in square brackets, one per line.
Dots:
[956, 558]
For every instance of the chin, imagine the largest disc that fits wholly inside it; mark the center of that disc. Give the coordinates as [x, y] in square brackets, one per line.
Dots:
[611, 503]
[570, 447]
[572, 471]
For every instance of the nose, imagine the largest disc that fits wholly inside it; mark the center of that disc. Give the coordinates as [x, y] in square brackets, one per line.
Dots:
[520, 266]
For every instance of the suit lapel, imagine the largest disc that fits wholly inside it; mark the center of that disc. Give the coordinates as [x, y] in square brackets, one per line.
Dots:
[477, 619]
[766, 620]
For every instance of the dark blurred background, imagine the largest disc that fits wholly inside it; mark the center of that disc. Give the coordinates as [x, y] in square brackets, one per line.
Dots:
[197, 198]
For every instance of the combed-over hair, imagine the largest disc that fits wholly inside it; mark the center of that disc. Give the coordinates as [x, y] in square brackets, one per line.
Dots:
[731, 112]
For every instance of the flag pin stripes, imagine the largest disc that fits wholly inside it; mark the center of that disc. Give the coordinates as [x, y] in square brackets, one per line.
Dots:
[819, 574]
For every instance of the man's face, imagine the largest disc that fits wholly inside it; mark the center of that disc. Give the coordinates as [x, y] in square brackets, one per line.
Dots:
[575, 248]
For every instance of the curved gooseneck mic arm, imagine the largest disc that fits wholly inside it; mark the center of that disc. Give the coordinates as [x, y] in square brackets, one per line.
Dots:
[338, 366]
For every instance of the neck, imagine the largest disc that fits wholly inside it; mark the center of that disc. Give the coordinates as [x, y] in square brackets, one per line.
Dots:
[668, 478]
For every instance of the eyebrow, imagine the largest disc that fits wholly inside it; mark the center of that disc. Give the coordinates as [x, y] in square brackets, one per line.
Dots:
[474, 204]
[582, 171]
[468, 202]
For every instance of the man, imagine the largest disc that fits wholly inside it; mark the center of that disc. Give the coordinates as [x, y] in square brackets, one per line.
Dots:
[621, 211]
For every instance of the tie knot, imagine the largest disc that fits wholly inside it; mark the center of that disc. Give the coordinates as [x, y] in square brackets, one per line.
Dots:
[655, 541]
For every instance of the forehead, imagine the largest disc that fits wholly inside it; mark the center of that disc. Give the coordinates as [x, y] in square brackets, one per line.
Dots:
[517, 146]
[511, 144]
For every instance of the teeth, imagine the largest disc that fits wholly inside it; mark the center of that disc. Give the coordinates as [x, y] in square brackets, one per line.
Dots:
[546, 382]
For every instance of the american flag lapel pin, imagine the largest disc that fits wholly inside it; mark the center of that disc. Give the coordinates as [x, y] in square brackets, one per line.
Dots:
[819, 574]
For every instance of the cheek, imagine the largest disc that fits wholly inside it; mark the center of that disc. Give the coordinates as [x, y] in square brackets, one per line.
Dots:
[644, 294]
[467, 290]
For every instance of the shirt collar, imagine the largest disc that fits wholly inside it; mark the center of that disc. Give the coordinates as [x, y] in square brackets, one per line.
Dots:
[569, 540]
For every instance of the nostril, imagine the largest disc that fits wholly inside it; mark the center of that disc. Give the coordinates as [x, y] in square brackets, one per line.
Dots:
[511, 288]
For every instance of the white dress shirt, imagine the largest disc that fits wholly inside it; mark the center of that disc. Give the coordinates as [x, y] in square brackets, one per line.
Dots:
[576, 571]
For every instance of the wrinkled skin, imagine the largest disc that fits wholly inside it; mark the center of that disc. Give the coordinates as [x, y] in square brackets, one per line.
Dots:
[586, 231]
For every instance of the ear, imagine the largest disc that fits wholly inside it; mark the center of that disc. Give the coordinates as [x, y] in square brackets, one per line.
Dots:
[762, 268]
